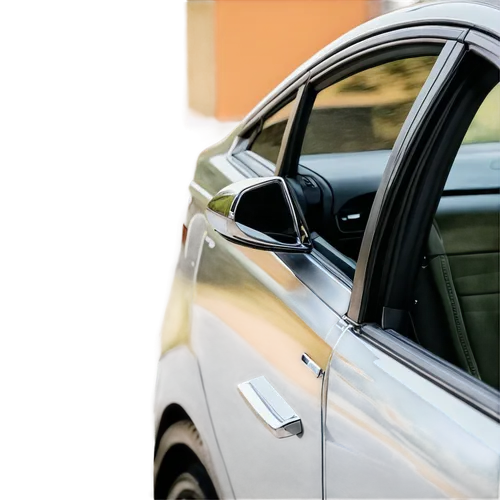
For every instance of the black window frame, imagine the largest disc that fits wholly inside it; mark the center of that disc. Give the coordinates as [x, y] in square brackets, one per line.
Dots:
[372, 52]
[367, 291]
[401, 185]
[326, 76]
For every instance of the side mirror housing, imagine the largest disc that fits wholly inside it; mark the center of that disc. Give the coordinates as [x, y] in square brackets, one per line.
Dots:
[260, 213]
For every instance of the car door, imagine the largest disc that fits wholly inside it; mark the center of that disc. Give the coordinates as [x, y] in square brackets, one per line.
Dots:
[253, 319]
[257, 313]
[401, 420]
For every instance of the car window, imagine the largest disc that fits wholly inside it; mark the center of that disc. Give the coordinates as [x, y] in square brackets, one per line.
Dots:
[366, 111]
[457, 294]
[350, 133]
[486, 124]
[477, 163]
[267, 144]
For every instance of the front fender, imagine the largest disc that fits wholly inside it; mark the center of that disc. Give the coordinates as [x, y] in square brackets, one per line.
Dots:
[179, 382]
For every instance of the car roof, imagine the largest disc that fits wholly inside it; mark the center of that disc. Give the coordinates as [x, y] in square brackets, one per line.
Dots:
[483, 15]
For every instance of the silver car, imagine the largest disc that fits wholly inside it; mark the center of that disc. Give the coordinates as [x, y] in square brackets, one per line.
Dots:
[333, 327]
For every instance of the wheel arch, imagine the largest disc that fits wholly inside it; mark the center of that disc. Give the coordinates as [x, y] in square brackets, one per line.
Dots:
[180, 396]
[181, 450]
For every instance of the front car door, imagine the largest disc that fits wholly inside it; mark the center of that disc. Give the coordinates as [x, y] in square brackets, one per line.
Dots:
[253, 320]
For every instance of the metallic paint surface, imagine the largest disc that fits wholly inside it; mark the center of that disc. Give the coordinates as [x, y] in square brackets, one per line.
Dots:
[390, 433]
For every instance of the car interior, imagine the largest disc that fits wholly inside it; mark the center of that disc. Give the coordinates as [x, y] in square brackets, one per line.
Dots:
[456, 310]
[460, 272]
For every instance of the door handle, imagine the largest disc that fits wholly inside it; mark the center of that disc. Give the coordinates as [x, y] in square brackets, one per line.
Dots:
[271, 409]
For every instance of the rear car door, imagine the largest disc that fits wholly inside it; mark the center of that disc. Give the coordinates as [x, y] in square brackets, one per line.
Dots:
[413, 402]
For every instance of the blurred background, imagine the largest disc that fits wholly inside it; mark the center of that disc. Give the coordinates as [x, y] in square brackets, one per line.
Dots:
[239, 50]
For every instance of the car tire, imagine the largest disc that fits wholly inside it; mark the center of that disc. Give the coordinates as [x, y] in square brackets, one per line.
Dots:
[183, 474]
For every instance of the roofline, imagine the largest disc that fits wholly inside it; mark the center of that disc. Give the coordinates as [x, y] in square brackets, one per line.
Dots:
[471, 14]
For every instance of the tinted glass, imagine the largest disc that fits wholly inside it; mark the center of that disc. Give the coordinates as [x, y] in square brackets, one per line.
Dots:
[351, 131]
[477, 163]
[486, 124]
[366, 111]
[268, 143]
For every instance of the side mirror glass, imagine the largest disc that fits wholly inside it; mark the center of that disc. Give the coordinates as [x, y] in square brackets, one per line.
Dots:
[260, 213]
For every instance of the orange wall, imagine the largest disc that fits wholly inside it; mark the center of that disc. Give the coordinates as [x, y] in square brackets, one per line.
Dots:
[260, 42]
[198, 46]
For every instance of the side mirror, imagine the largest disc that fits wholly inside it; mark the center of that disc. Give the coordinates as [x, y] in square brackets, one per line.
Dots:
[260, 213]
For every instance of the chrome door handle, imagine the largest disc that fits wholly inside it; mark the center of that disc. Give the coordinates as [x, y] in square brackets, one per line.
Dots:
[273, 411]
[312, 365]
